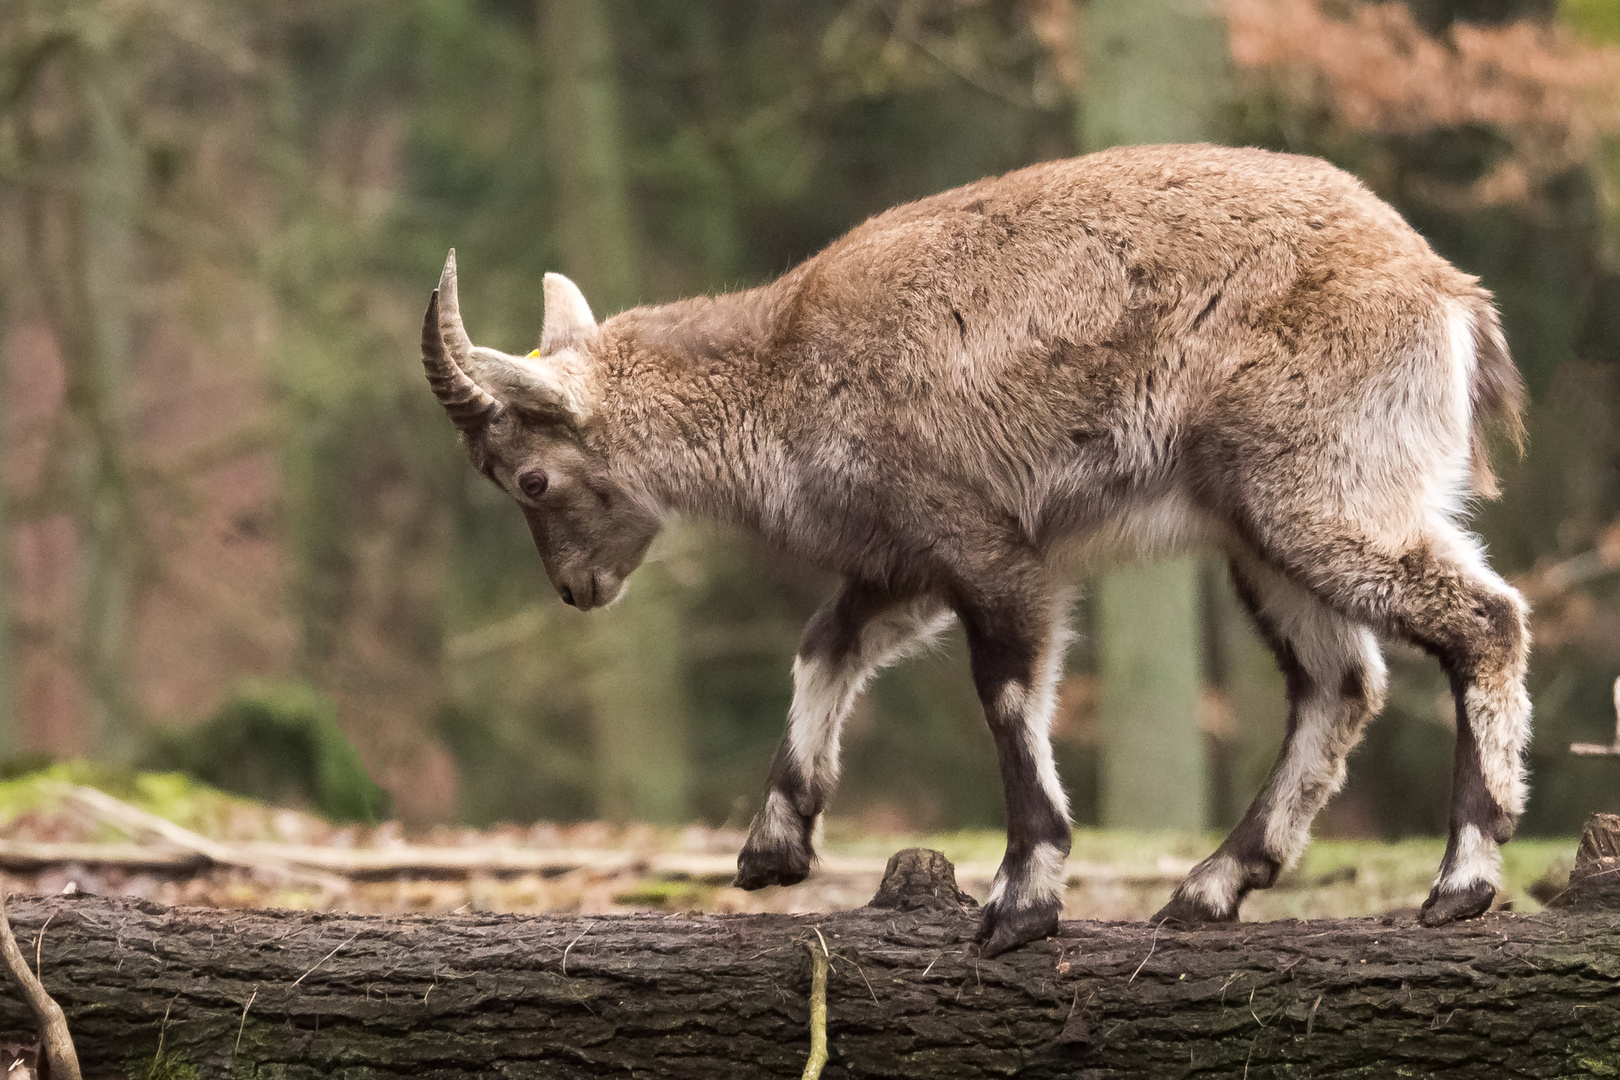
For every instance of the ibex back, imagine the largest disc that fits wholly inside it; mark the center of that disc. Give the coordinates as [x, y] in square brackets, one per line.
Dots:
[1134, 352]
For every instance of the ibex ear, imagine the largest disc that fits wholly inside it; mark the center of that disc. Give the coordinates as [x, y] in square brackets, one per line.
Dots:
[567, 384]
[567, 314]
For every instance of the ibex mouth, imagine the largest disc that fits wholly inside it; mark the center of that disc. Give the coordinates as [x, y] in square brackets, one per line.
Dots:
[595, 589]
[592, 589]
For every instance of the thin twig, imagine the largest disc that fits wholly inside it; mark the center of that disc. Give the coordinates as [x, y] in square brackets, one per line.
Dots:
[39, 945]
[61, 1060]
[1154, 944]
[972, 78]
[163, 1029]
[243, 1024]
[571, 944]
[862, 973]
[325, 958]
[818, 1010]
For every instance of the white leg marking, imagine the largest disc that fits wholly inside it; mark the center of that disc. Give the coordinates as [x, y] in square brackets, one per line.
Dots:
[1042, 704]
[1478, 859]
[1500, 719]
[1043, 878]
[1495, 702]
[1328, 725]
[1214, 884]
[824, 692]
[777, 824]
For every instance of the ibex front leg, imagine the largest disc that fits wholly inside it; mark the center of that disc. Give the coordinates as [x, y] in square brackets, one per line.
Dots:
[1017, 654]
[862, 630]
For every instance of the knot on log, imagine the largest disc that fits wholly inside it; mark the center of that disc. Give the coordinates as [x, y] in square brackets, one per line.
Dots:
[919, 879]
[1594, 884]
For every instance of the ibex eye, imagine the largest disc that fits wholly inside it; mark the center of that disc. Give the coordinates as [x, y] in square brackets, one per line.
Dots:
[533, 483]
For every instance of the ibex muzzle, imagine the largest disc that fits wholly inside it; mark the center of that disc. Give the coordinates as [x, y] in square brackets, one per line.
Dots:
[1144, 350]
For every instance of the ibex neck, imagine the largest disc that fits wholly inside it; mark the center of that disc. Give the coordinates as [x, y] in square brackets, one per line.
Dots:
[686, 404]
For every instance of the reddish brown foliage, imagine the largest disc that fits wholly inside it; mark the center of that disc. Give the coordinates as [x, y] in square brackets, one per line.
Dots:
[1374, 70]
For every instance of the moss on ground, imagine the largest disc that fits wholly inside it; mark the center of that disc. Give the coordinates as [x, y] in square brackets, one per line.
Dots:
[174, 796]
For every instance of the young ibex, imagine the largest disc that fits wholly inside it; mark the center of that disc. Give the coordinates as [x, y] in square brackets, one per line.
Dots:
[1136, 351]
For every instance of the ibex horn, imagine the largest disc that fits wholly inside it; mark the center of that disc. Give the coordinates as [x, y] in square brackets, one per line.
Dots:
[470, 406]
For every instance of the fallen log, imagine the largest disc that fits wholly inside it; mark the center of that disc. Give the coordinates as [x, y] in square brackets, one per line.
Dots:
[287, 993]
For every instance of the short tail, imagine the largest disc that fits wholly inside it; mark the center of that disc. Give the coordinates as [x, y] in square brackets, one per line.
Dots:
[1495, 397]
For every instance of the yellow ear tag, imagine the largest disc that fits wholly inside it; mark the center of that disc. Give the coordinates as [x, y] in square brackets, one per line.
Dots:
[533, 356]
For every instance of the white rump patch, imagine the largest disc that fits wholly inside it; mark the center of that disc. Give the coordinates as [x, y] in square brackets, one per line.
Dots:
[1449, 499]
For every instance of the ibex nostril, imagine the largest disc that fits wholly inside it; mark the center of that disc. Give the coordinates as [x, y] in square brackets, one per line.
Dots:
[567, 595]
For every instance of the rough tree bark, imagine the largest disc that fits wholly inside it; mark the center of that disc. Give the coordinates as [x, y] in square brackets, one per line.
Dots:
[295, 994]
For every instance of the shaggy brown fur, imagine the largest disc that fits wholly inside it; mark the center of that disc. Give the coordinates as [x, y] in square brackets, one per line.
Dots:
[1129, 353]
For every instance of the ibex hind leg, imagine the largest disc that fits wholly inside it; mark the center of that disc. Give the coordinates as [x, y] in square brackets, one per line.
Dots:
[1478, 627]
[1437, 592]
[862, 630]
[1335, 680]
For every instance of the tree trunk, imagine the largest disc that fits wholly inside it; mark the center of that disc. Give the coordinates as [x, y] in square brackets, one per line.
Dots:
[1153, 773]
[1256, 699]
[8, 716]
[294, 994]
[1155, 72]
[79, 238]
[103, 251]
[638, 701]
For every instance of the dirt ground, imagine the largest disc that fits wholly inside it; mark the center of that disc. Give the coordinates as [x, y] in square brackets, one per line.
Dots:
[595, 868]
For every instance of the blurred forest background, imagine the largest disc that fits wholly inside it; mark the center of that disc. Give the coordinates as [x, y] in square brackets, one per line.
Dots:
[240, 537]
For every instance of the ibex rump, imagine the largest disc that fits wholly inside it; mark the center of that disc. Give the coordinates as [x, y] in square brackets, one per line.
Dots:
[1136, 351]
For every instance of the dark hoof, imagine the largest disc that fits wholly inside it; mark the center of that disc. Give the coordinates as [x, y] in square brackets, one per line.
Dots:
[758, 868]
[1005, 927]
[1185, 912]
[1447, 907]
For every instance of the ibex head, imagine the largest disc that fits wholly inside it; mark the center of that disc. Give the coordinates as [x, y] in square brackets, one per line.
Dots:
[527, 423]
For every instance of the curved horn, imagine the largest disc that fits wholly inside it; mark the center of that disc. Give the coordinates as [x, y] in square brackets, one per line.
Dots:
[470, 406]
